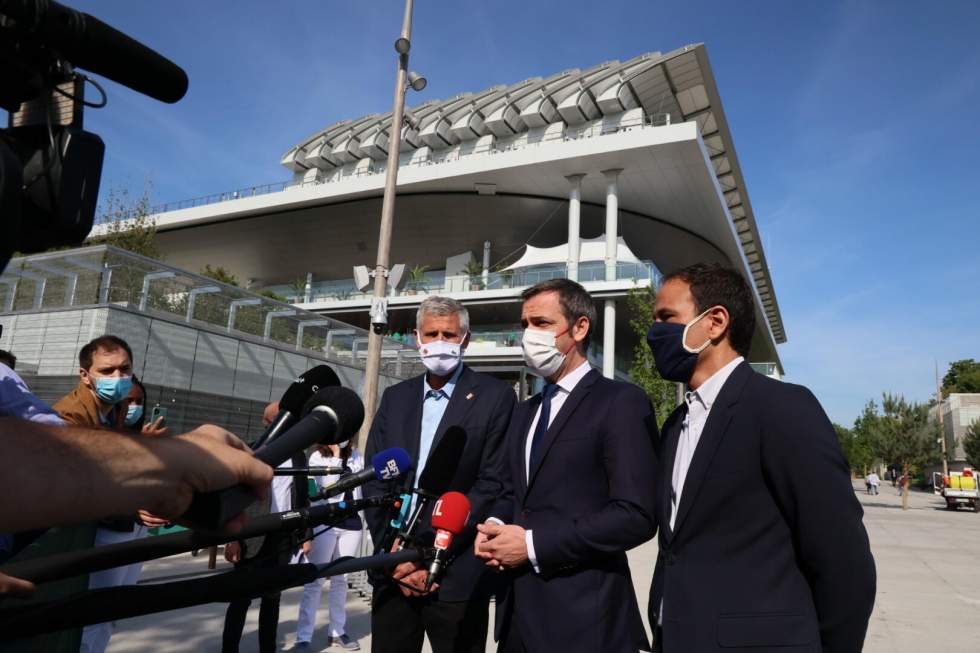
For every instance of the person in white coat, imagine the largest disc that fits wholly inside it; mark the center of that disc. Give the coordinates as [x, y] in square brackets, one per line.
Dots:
[343, 539]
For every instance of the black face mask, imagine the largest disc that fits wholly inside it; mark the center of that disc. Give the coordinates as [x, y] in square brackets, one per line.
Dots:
[675, 361]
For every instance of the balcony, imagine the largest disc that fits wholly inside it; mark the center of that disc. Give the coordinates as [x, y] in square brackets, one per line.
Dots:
[437, 283]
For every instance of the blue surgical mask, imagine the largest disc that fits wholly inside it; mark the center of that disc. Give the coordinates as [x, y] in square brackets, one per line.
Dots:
[113, 389]
[675, 361]
[133, 414]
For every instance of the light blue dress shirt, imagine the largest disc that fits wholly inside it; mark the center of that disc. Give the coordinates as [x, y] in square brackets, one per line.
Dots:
[434, 404]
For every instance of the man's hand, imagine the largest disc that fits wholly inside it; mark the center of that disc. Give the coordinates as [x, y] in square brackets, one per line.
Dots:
[506, 545]
[414, 575]
[270, 412]
[206, 459]
[156, 429]
[233, 552]
[307, 546]
[15, 587]
[152, 521]
[480, 549]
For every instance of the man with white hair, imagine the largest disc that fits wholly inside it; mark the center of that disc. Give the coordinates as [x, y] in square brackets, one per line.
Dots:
[414, 415]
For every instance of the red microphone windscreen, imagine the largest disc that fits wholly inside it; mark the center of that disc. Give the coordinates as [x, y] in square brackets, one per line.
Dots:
[451, 512]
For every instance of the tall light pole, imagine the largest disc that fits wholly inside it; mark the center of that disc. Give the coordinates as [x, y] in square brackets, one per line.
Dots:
[379, 307]
[942, 425]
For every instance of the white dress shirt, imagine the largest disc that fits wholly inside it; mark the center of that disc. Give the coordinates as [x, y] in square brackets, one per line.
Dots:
[565, 387]
[699, 404]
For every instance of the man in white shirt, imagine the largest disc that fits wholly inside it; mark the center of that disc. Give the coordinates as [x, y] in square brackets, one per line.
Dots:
[761, 542]
[580, 477]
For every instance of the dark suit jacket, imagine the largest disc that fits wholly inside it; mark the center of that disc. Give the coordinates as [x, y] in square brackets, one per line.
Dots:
[768, 551]
[480, 404]
[590, 499]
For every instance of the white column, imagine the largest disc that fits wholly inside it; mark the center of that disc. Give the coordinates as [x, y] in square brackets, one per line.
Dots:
[574, 219]
[609, 339]
[612, 220]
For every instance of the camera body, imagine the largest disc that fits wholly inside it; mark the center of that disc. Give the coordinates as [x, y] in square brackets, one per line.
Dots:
[50, 167]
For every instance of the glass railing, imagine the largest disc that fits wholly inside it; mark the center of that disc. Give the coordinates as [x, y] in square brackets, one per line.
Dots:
[410, 159]
[106, 276]
[505, 338]
[437, 283]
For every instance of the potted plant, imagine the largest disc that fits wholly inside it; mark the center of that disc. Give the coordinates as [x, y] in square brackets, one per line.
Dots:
[416, 279]
[506, 276]
[474, 270]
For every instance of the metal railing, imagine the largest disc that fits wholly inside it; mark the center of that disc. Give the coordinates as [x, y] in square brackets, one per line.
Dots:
[103, 276]
[532, 138]
[437, 283]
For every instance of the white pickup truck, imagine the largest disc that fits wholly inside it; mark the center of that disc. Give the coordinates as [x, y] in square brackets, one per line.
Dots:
[958, 489]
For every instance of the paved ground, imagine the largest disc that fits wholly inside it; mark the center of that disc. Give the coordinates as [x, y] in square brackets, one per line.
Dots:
[928, 588]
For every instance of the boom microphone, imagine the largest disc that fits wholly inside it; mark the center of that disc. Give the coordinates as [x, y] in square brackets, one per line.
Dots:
[449, 517]
[85, 561]
[91, 44]
[293, 399]
[386, 465]
[126, 601]
[336, 415]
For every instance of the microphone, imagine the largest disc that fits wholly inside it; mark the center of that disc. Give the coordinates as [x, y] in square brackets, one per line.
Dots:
[437, 475]
[386, 465]
[127, 601]
[84, 561]
[335, 415]
[449, 517]
[308, 471]
[293, 399]
[91, 44]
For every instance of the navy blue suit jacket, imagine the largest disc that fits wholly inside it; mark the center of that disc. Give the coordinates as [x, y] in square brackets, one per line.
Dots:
[590, 499]
[768, 551]
[480, 404]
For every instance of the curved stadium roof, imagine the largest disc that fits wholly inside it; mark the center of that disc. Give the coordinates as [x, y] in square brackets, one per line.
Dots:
[679, 83]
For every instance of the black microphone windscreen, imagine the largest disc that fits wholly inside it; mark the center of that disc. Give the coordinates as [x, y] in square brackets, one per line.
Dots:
[345, 404]
[307, 385]
[440, 468]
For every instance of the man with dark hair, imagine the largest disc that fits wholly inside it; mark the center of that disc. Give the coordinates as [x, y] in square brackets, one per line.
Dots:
[580, 476]
[100, 401]
[105, 379]
[8, 359]
[755, 502]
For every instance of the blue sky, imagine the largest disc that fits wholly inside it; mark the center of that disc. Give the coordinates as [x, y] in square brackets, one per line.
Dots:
[855, 124]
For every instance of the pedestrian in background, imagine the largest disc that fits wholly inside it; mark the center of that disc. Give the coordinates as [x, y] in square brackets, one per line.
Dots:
[343, 539]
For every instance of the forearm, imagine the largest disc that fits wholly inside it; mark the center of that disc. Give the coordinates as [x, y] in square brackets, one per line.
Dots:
[619, 526]
[84, 474]
[73, 474]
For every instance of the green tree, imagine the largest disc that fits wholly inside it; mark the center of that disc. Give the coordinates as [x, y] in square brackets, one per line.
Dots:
[221, 274]
[663, 394]
[902, 434]
[963, 376]
[128, 224]
[856, 449]
[971, 443]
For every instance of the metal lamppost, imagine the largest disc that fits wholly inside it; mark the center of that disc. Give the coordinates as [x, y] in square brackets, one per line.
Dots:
[379, 306]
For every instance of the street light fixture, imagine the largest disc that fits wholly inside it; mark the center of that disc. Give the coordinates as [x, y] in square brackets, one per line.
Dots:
[403, 45]
[416, 81]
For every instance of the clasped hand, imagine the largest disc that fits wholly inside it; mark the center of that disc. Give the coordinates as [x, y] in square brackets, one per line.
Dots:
[502, 546]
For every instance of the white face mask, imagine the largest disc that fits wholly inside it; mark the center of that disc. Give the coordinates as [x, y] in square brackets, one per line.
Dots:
[440, 357]
[541, 353]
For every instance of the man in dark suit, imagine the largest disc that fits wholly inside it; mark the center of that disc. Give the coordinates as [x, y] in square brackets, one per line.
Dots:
[762, 547]
[414, 415]
[581, 475]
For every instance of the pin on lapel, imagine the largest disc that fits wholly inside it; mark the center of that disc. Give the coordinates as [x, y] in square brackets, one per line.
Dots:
[470, 396]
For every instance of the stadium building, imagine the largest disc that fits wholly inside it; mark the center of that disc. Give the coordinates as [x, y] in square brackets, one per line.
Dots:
[610, 176]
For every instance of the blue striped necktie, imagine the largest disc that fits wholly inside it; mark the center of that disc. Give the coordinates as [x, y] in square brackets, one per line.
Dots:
[541, 427]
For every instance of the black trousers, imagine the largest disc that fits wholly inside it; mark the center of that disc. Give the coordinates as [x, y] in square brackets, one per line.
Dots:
[275, 550]
[399, 623]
